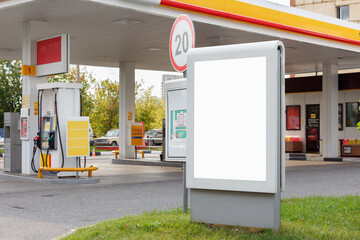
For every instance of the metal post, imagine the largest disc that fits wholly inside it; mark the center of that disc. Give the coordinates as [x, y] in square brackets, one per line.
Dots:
[185, 195]
[78, 73]
[185, 192]
[77, 165]
[135, 153]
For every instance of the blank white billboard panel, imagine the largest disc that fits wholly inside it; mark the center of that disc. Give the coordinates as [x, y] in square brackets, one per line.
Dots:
[234, 117]
[235, 124]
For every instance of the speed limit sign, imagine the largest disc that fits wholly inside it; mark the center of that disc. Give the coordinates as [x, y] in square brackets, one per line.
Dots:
[182, 38]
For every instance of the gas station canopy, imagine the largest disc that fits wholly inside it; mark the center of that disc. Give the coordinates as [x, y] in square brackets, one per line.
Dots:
[107, 32]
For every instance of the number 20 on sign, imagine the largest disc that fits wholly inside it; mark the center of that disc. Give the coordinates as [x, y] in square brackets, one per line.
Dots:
[182, 38]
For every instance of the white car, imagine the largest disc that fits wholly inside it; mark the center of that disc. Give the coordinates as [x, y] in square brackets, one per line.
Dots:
[91, 136]
[111, 138]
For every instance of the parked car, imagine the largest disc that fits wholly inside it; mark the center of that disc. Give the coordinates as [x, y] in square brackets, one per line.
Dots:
[154, 133]
[110, 138]
[91, 136]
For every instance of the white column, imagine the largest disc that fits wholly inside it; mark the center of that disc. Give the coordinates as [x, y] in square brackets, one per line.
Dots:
[329, 110]
[29, 95]
[126, 109]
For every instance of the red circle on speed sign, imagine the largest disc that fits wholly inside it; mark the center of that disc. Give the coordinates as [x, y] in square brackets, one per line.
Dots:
[182, 38]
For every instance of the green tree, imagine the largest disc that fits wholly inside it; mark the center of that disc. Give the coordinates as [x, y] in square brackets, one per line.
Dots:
[88, 82]
[148, 108]
[105, 114]
[10, 87]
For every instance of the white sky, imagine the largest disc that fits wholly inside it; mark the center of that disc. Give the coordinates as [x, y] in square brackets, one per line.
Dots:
[151, 78]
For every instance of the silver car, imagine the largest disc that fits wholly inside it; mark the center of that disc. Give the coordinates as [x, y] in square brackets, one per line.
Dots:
[156, 135]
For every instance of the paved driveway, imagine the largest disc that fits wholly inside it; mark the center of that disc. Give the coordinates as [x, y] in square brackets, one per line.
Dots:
[305, 178]
[30, 210]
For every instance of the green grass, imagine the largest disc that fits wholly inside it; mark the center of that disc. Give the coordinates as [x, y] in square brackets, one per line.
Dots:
[1, 150]
[152, 149]
[306, 218]
[98, 150]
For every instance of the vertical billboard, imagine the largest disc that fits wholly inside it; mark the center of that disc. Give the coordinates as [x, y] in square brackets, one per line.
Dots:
[293, 117]
[234, 115]
[176, 120]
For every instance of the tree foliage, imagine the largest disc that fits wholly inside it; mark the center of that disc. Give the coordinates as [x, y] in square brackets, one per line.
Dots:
[100, 100]
[105, 114]
[148, 108]
[10, 87]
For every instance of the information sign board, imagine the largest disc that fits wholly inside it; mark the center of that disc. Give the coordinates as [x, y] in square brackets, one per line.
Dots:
[137, 134]
[77, 137]
[176, 120]
[53, 55]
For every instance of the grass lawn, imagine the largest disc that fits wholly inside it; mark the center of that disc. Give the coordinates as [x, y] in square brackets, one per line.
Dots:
[98, 150]
[301, 218]
[152, 149]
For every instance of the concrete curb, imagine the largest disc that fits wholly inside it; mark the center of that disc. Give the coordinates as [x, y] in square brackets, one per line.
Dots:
[333, 159]
[46, 180]
[68, 233]
[297, 156]
[351, 160]
[101, 154]
[146, 163]
[313, 157]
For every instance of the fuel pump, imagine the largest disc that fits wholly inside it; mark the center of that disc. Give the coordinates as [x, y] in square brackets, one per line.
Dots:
[57, 102]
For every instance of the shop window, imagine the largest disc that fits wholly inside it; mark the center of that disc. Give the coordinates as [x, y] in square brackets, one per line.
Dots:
[343, 12]
[352, 114]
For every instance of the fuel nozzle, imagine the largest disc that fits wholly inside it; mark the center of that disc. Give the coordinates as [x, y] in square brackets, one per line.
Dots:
[52, 140]
[37, 140]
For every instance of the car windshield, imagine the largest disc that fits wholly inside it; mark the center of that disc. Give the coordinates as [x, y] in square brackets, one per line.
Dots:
[112, 133]
[150, 132]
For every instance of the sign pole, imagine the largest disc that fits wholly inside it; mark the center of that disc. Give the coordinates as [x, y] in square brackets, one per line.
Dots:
[182, 39]
[185, 190]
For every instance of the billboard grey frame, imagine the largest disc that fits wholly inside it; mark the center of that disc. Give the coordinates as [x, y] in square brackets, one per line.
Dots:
[172, 85]
[241, 202]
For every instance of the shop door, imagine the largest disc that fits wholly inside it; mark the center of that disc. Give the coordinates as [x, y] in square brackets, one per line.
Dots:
[312, 128]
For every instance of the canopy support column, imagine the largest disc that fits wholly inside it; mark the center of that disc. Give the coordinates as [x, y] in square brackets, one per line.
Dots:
[29, 97]
[126, 108]
[329, 111]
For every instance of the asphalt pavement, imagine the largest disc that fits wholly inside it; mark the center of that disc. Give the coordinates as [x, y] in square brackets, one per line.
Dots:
[32, 210]
[319, 178]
